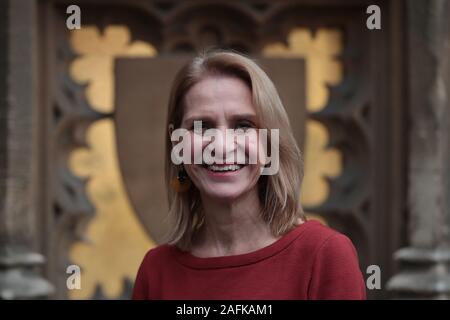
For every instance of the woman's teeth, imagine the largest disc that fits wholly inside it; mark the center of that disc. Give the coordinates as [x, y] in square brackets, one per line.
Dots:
[231, 167]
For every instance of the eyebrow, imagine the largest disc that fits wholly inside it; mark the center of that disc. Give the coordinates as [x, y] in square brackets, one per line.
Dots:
[250, 116]
[242, 116]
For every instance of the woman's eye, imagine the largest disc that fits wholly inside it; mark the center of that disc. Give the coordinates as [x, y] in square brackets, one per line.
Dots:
[203, 125]
[244, 125]
[206, 126]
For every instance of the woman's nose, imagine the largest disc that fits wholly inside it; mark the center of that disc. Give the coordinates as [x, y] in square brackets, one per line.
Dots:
[223, 145]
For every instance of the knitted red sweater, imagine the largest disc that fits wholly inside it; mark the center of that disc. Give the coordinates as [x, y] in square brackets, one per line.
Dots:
[309, 262]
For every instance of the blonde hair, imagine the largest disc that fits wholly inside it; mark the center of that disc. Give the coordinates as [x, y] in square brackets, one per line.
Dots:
[279, 193]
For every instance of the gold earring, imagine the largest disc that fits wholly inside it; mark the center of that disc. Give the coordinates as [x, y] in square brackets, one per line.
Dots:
[181, 183]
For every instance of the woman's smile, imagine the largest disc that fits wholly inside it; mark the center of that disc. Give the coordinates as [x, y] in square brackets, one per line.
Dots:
[223, 170]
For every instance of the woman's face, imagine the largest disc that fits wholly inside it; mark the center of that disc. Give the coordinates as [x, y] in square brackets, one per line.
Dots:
[221, 103]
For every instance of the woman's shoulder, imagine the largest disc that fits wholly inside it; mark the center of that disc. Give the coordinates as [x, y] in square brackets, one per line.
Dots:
[318, 237]
[158, 255]
[335, 264]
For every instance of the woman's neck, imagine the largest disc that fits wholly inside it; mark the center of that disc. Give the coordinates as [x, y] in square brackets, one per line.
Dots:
[232, 228]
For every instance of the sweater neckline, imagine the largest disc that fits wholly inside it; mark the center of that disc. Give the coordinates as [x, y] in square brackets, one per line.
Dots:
[189, 260]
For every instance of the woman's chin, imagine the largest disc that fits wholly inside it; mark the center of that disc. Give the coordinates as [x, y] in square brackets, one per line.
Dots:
[224, 193]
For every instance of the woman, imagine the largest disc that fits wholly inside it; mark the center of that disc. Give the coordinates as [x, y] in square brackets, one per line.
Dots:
[238, 234]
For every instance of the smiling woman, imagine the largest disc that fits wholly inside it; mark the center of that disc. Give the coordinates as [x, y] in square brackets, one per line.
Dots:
[238, 234]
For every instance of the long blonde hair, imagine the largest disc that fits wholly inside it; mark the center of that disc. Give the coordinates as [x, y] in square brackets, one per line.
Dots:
[279, 193]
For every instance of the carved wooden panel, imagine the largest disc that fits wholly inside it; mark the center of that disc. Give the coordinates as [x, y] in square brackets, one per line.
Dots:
[363, 115]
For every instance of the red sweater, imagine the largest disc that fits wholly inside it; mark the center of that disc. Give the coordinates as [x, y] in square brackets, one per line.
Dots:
[309, 262]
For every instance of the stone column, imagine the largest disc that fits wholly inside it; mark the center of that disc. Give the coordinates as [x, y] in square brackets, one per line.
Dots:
[19, 263]
[425, 264]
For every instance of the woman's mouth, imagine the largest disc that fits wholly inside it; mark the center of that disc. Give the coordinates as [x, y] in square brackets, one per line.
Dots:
[223, 168]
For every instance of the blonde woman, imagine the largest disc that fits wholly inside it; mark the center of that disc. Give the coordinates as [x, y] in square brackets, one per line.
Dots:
[239, 233]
